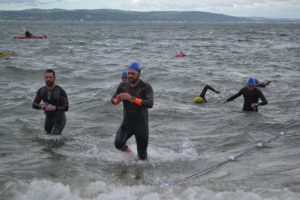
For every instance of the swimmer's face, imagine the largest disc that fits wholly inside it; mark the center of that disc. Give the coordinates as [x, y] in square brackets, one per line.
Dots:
[251, 87]
[49, 79]
[133, 76]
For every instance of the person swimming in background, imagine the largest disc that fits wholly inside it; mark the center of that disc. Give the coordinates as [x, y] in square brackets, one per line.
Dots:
[262, 84]
[28, 34]
[201, 98]
[251, 96]
[180, 55]
[124, 76]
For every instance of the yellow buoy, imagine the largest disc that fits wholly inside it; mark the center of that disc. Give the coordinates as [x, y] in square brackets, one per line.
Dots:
[7, 53]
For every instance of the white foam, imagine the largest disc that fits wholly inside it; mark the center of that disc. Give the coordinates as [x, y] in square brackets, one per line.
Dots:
[48, 137]
[185, 151]
[49, 190]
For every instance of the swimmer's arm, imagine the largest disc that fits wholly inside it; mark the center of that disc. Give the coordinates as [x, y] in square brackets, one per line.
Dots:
[63, 103]
[263, 99]
[234, 96]
[264, 84]
[115, 98]
[36, 102]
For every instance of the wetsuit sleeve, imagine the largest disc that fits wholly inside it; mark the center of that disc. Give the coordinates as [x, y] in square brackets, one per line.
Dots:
[114, 100]
[36, 102]
[149, 98]
[63, 102]
[207, 87]
[263, 99]
[263, 84]
[234, 96]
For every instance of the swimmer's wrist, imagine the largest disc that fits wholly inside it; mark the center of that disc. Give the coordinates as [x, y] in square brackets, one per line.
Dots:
[132, 99]
[116, 100]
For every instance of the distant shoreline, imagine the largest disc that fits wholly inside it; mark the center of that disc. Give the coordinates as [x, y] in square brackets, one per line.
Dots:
[107, 15]
[160, 22]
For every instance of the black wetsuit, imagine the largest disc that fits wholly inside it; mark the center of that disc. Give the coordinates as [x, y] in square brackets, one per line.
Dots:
[249, 98]
[135, 117]
[207, 87]
[263, 84]
[55, 120]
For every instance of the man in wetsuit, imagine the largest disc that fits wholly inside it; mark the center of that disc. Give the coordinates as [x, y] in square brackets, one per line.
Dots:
[251, 96]
[54, 101]
[124, 76]
[201, 98]
[137, 97]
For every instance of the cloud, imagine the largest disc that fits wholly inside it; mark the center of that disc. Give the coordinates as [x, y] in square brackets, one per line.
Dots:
[24, 1]
[135, 1]
[72, 1]
[17, 1]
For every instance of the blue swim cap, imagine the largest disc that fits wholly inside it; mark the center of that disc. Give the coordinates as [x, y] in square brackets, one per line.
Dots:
[135, 66]
[124, 74]
[251, 82]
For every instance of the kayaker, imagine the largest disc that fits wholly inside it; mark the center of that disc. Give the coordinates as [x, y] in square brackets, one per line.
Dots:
[181, 54]
[28, 34]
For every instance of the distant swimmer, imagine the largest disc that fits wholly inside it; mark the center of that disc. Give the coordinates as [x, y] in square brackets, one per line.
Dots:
[251, 96]
[54, 101]
[28, 34]
[124, 76]
[201, 98]
[180, 55]
[262, 84]
[137, 97]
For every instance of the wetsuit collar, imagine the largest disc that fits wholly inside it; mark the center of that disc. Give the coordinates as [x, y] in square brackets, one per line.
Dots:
[135, 84]
[251, 89]
[52, 87]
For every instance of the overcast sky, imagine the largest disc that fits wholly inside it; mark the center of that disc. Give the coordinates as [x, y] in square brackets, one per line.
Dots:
[256, 8]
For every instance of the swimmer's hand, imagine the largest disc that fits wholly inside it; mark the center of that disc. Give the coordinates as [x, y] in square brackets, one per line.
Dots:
[50, 108]
[125, 96]
[254, 105]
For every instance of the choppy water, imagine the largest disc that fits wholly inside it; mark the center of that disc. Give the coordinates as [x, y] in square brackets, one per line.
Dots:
[184, 138]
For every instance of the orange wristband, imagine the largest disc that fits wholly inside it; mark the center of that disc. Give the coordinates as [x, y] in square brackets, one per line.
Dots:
[116, 101]
[138, 101]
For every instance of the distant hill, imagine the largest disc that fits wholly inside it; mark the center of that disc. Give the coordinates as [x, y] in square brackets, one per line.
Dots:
[115, 15]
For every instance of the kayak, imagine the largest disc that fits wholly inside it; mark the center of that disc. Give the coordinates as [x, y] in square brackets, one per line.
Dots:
[7, 53]
[180, 55]
[32, 37]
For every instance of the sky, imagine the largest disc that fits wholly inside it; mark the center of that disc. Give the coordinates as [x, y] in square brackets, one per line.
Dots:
[244, 8]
